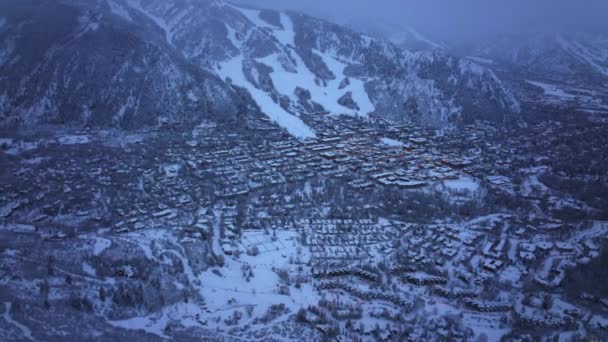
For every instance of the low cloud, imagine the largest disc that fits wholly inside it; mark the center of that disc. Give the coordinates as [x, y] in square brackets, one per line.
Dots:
[455, 19]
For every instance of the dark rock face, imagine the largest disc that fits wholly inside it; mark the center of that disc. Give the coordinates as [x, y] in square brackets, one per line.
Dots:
[347, 101]
[345, 82]
[304, 100]
[302, 94]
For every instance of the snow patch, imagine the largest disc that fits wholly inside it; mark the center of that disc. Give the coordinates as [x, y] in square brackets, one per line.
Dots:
[357, 87]
[172, 170]
[76, 139]
[100, 245]
[22, 146]
[233, 37]
[88, 269]
[35, 160]
[119, 10]
[480, 60]
[286, 82]
[392, 142]
[233, 69]
[552, 90]
[278, 252]
[87, 24]
[287, 35]
[192, 96]
[462, 183]
[253, 16]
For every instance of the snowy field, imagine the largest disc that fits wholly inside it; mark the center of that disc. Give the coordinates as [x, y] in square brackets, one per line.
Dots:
[226, 290]
[464, 183]
[75, 139]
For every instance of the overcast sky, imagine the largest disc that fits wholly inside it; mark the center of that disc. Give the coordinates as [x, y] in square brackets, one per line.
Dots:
[446, 19]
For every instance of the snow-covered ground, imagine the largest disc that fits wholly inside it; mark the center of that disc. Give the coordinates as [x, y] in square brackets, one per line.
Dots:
[100, 244]
[18, 147]
[587, 100]
[510, 274]
[392, 142]
[119, 10]
[480, 60]
[25, 331]
[552, 90]
[75, 139]
[356, 86]
[462, 183]
[595, 58]
[261, 290]
[226, 290]
[488, 325]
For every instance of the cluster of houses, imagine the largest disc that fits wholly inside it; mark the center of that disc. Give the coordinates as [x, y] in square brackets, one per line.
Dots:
[336, 241]
[218, 179]
[345, 271]
[396, 299]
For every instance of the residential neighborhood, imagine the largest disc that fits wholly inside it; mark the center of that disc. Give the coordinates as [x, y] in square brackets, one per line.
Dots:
[354, 233]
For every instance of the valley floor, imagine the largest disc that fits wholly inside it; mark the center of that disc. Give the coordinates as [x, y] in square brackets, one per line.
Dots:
[371, 231]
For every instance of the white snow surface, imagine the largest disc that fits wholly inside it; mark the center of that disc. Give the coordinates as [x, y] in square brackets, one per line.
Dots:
[100, 245]
[119, 10]
[225, 291]
[480, 60]
[287, 35]
[552, 90]
[392, 142]
[596, 59]
[88, 269]
[424, 39]
[294, 125]
[286, 82]
[462, 183]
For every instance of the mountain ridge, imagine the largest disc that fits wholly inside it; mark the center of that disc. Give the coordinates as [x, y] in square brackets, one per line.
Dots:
[192, 60]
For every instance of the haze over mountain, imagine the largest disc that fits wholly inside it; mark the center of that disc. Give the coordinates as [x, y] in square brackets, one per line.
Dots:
[188, 59]
[126, 63]
[467, 20]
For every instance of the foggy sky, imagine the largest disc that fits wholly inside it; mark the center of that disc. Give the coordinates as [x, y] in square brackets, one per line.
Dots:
[452, 19]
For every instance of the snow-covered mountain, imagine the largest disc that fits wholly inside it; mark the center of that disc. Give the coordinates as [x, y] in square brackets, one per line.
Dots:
[581, 58]
[569, 71]
[127, 62]
[75, 62]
